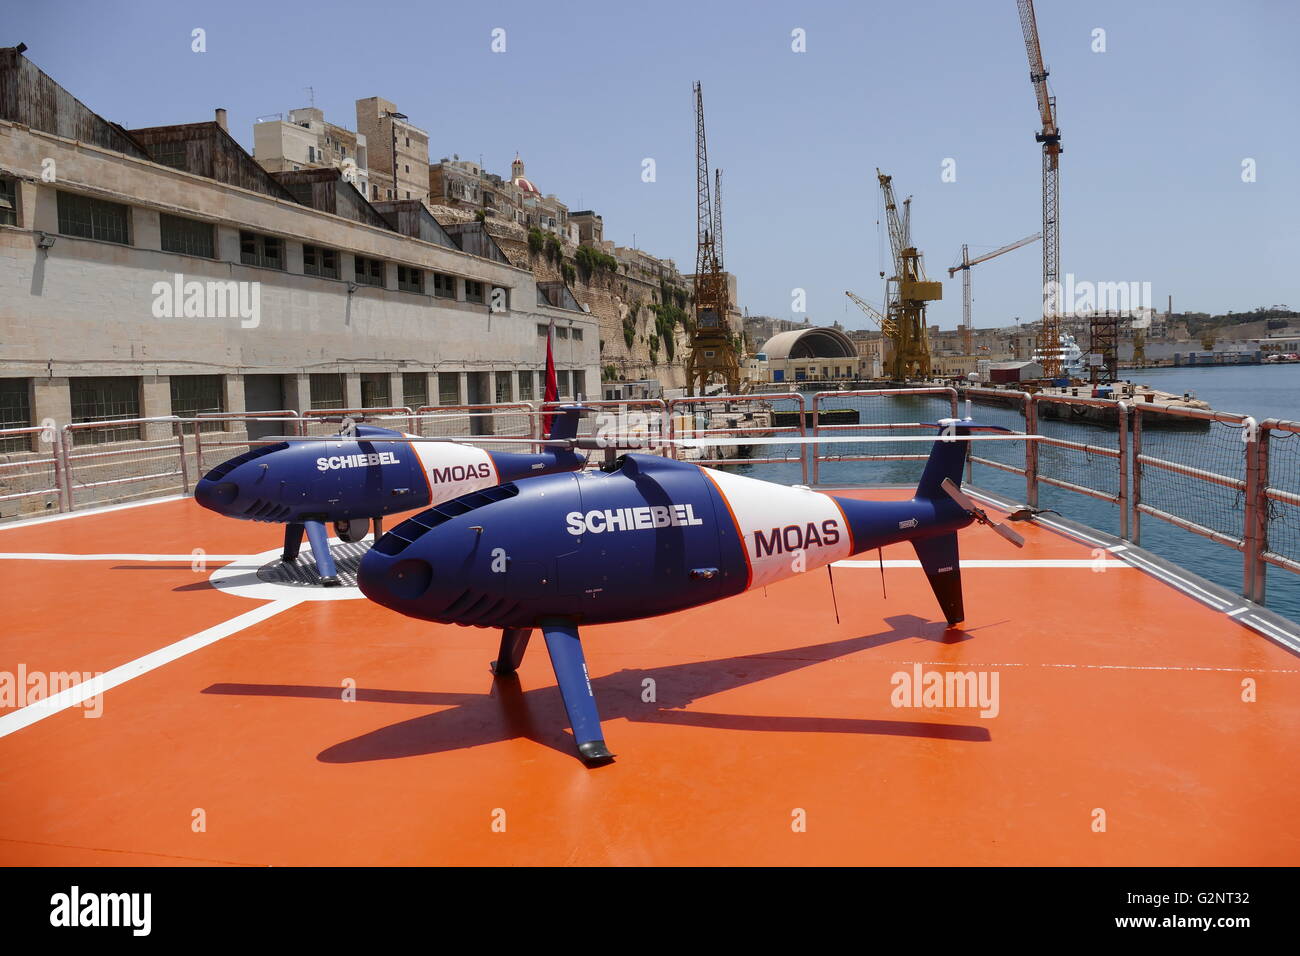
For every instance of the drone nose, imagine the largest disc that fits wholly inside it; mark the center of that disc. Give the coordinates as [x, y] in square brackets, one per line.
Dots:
[215, 495]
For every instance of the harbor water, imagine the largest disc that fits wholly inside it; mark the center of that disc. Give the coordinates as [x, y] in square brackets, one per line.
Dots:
[1263, 391]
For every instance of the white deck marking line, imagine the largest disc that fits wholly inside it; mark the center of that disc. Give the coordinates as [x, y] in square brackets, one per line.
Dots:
[1290, 640]
[1187, 587]
[999, 563]
[48, 706]
[49, 556]
[46, 519]
[1101, 667]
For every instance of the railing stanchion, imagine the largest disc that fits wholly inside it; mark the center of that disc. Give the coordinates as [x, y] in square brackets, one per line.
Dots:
[1122, 409]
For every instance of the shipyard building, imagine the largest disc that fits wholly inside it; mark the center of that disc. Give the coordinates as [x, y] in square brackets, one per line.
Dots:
[160, 271]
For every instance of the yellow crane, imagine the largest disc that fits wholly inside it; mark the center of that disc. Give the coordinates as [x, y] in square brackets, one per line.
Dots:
[907, 291]
[968, 330]
[712, 351]
[1049, 330]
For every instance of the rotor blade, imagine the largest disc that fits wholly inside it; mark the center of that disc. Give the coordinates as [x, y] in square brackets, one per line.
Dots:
[1009, 533]
[957, 495]
[828, 440]
[462, 440]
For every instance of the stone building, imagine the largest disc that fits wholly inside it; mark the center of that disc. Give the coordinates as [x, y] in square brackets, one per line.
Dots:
[461, 184]
[163, 271]
[391, 136]
[307, 141]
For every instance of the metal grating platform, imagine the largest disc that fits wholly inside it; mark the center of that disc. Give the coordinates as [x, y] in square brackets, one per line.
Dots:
[302, 571]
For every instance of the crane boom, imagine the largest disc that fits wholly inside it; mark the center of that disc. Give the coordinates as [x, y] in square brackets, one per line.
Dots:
[968, 329]
[1049, 329]
[886, 324]
[717, 216]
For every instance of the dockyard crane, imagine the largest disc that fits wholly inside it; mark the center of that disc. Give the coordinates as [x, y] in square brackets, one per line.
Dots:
[717, 218]
[968, 332]
[907, 291]
[712, 350]
[884, 322]
[1049, 331]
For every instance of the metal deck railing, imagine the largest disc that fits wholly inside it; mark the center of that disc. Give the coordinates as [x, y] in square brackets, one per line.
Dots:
[1222, 476]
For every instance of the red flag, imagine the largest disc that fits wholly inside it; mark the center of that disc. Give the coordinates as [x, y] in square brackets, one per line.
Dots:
[552, 386]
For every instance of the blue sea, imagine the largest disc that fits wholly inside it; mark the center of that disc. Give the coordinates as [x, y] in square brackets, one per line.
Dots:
[1267, 391]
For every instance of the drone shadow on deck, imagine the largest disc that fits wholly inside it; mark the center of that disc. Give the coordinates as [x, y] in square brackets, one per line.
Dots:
[508, 711]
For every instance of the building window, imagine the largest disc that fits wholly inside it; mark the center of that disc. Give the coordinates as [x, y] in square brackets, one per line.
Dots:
[444, 286]
[562, 384]
[101, 399]
[8, 202]
[542, 330]
[317, 261]
[93, 218]
[473, 291]
[449, 388]
[375, 390]
[526, 386]
[192, 394]
[561, 332]
[169, 154]
[256, 249]
[410, 279]
[189, 237]
[370, 271]
[327, 390]
[374, 192]
[311, 154]
[579, 384]
[505, 393]
[15, 412]
[415, 389]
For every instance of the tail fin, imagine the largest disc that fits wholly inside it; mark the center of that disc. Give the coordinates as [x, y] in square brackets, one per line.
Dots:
[564, 424]
[941, 561]
[947, 460]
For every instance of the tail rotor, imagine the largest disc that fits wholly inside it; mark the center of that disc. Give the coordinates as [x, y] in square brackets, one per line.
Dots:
[957, 495]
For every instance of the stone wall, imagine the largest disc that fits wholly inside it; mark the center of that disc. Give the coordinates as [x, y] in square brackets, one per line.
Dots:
[614, 299]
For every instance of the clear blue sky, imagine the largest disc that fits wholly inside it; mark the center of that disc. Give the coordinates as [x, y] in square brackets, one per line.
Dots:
[1155, 129]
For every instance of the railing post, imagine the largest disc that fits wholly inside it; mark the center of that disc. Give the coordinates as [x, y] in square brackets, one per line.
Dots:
[1031, 451]
[65, 441]
[803, 433]
[1255, 528]
[816, 448]
[1135, 500]
[178, 429]
[1122, 411]
[60, 479]
[198, 444]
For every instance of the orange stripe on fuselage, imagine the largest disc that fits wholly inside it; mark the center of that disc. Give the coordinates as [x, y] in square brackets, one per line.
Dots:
[853, 544]
[744, 546]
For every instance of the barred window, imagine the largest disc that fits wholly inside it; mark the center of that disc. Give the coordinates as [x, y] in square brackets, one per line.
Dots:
[256, 249]
[192, 394]
[320, 262]
[504, 389]
[448, 388]
[172, 154]
[561, 332]
[327, 390]
[16, 412]
[473, 290]
[94, 218]
[579, 383]
[415, 389]
[577, 335]
[410, 279]
[105, 398]
[562, 384]
[189, 237]
[526, 386]
[370, 271]
[8, 202]
[444, 286]
[375, 391]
